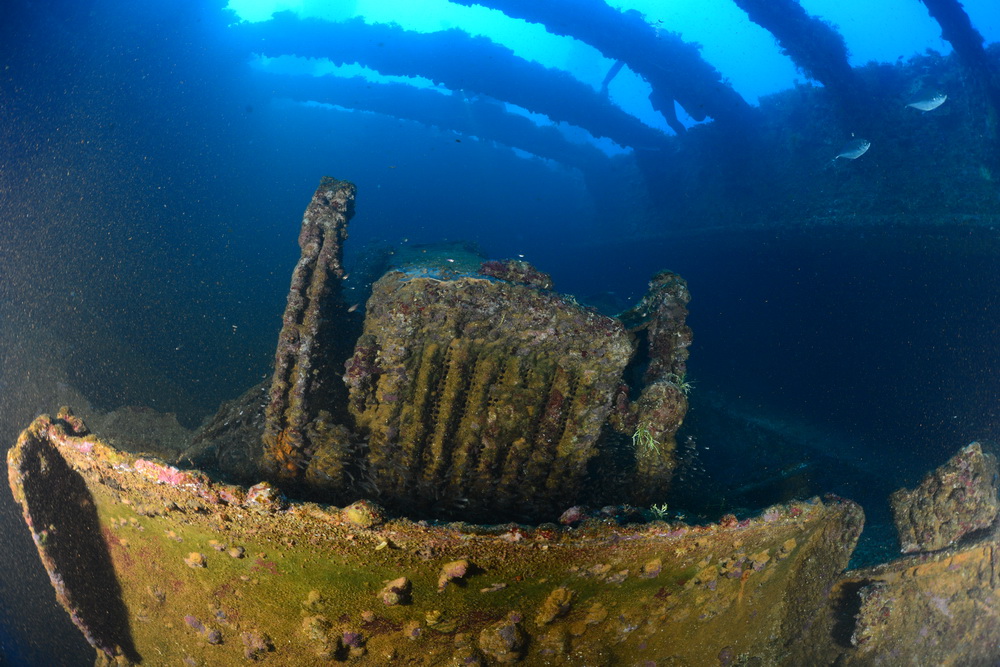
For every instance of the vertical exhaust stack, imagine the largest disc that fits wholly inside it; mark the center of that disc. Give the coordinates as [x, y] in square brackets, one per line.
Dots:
[304, 361]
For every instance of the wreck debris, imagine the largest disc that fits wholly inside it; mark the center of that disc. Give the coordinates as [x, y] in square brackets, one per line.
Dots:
[67, 529]
[474, 391]
[813, 45]
[487, 385]
[934, 607]
[754, 587]
[927, 609]
[136, 548]
[655, 417]
[297, 392]
[968, 44]
[673, 68]
[497, 72]
[956, 499]
[607, 602]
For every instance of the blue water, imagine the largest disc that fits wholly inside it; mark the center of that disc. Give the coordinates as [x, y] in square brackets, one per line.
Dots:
[153, 175]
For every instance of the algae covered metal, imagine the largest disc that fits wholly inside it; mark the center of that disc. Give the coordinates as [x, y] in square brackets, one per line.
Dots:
[165, 566]
[482, 394]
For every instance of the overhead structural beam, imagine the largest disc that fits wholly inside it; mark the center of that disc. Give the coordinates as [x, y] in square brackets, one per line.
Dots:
[454, 59]
[483, 118]
[968, 44]
[814, 46]
[673, 68]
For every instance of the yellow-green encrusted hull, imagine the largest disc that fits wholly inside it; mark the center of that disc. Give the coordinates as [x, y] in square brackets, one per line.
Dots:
[164, 566]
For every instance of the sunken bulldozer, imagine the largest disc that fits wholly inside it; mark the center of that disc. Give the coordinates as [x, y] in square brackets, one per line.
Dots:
[474, 391]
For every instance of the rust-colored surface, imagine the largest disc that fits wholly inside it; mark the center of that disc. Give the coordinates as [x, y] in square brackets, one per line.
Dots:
[954, 500]
[219, 575]
[941, 608]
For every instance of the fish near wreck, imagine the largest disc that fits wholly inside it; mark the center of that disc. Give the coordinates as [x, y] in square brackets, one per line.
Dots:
[852, 150]
[929, 104]
[159, 563]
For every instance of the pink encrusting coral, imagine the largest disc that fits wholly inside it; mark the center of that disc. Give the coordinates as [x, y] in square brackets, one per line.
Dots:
[162, 473]
[165, 474]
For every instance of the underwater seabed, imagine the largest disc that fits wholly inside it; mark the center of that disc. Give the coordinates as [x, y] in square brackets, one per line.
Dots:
[163, 564]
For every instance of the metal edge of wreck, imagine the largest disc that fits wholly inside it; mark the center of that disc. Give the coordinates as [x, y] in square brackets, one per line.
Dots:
[190, 569]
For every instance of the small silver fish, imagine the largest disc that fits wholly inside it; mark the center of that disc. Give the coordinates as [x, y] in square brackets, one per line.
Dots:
[929, 105]
[853, 149]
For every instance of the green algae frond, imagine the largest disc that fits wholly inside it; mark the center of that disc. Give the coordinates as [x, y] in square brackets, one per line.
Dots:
[643, 439]
[659, 512]
[681, 382]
